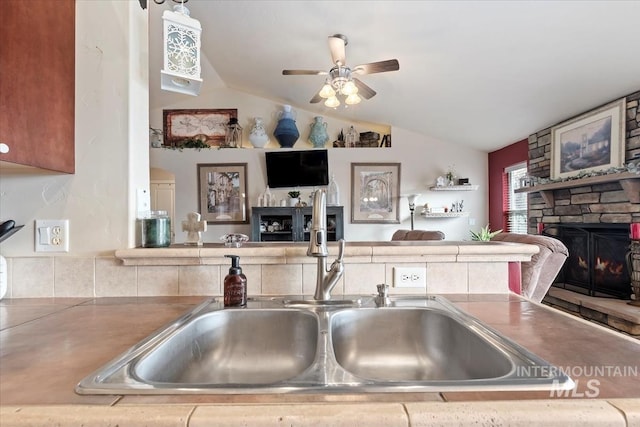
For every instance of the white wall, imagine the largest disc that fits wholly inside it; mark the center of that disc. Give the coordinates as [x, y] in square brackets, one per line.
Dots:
[111, 139]
[422, 160]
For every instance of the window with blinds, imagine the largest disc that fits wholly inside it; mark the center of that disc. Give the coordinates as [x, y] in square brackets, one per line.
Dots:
[515, 204]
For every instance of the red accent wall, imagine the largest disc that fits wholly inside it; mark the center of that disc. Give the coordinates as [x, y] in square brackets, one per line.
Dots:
[498, 161]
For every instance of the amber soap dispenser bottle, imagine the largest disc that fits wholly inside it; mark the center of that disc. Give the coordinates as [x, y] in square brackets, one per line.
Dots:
[235, 285]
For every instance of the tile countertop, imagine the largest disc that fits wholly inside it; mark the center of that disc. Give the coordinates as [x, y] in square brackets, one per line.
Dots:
[48, 345]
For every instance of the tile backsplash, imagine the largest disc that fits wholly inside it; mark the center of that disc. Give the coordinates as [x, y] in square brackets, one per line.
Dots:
[106, 276]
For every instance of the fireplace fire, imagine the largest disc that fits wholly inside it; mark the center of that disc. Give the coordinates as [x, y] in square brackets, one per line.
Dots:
[596, 265]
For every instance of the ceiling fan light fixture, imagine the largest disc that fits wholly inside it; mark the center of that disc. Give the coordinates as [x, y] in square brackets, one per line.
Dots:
[353, 99]
[327, 91]
[332, 102]
[349, 88]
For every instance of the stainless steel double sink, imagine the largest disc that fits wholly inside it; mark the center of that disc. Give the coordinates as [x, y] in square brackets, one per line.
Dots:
[279, 346]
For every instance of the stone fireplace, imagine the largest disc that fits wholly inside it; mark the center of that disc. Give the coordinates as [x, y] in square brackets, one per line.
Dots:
[590, 215]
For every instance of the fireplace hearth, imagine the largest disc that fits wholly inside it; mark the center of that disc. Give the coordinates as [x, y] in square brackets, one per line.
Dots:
[597, 264]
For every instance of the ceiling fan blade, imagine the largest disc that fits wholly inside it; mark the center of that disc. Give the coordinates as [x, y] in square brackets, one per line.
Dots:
[377, 67]
[363, 90]
[304, 73]
[337, 43]
[316, 98]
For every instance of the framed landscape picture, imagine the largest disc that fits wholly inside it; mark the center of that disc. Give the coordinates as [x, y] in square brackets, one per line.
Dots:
[590, 142]
[375, 193]
[222, 192]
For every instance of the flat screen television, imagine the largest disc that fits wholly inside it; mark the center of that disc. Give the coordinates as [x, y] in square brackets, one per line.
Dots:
[297, 168]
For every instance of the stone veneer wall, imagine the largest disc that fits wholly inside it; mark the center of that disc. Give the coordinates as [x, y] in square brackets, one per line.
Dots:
[590, 204]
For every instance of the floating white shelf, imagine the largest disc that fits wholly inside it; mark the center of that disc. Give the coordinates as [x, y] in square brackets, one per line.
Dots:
[469, 187]
[443, 214]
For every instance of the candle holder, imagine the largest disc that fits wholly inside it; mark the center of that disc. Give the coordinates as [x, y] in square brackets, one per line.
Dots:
[633, 260]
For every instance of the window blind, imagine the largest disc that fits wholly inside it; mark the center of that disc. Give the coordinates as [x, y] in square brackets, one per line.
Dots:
[515, 203]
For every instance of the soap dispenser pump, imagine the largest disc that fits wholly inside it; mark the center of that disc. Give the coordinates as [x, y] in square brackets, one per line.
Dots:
[235, 285]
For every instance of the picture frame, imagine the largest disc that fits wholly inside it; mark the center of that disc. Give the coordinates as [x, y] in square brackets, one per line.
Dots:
[206, 125]
[593, 141]
[222, 193]
[375, 193]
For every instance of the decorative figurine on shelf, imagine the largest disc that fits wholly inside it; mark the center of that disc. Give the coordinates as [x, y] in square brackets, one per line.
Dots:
[457, 206]
[451, 175]
[318, 135]
[233, 135]
[194, 228]
[286, 132]
[294, 198]
[333, 192]
[258, 135]
[351, 138]
[440, 181]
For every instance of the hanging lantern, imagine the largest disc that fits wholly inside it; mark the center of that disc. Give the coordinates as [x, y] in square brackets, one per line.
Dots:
[233, 137]
[181, 71]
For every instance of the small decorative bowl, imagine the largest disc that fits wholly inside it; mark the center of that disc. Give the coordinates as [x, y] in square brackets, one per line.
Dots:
[234, 240]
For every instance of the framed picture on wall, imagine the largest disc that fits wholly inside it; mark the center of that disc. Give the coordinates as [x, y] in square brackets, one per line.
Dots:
[375, 193]
[208, 126]
[222, 192]
[590, 142]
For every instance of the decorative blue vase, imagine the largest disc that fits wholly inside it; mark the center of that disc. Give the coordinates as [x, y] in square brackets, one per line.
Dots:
[286, 132]
[318, 136]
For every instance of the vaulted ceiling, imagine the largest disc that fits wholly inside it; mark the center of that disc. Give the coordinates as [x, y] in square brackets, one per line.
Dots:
[483, 74]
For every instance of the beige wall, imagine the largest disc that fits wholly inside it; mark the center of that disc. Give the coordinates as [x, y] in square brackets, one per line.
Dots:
[422, 160]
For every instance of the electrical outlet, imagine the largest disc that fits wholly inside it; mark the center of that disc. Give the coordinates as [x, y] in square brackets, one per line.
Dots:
[410, 277]
[52, 235]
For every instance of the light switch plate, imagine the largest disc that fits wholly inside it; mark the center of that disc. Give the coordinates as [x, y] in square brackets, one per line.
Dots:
[143, 202]
[52, 235]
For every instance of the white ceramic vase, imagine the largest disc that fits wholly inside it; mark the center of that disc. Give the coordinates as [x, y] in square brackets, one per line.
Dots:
[258, 136]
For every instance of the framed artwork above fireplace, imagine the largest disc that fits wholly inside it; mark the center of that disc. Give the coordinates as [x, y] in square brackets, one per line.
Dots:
[593, 141]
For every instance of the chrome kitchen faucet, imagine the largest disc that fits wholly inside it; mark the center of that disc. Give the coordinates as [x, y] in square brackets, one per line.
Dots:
[326, 279]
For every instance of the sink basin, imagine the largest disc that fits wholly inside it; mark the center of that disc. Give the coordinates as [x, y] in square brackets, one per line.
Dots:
[234, 347]
[407, 344]
[279, 345]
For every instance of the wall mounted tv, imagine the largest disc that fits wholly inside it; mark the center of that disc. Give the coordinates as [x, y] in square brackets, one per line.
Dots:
[296, 168]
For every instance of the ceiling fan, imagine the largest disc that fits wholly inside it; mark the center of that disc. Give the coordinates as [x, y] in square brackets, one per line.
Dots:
[341, 80]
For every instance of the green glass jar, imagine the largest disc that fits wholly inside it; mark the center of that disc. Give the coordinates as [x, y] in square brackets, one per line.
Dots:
[155, 230]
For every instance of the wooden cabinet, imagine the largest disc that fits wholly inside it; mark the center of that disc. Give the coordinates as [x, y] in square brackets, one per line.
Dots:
[37, 87]
[291, 224]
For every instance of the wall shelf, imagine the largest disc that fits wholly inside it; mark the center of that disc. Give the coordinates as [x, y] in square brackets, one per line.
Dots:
[469, 187]
[443, 214]
[630, 183]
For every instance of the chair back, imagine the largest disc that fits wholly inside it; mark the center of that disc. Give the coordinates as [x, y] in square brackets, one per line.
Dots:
[418, 235]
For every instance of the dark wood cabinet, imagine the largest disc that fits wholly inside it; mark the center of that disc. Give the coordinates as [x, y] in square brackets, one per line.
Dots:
[37, 87]
[292, 224]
